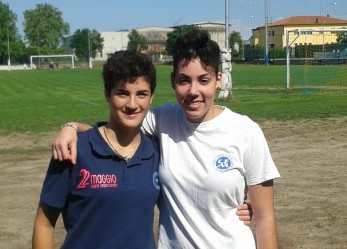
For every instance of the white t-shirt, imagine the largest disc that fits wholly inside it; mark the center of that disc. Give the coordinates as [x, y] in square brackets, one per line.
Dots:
[204, 171]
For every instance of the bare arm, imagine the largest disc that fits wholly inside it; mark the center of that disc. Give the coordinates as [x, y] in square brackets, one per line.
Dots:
[43, 235]
[262, 199]
[64, 146]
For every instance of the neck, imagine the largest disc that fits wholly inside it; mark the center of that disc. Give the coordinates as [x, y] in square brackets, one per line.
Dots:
[123, 135]
[123, 142]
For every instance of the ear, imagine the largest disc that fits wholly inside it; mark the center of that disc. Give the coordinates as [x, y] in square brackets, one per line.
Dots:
[219, 79]
[151, 99]
[173, 80]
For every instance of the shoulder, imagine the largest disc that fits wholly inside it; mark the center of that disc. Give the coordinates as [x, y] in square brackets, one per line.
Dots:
[93, 131]
[149, 149]
[150, 141]
[161, 117]
[168, 114]
[57, 167]
[165, 110]
[91, 139]
[236, 119]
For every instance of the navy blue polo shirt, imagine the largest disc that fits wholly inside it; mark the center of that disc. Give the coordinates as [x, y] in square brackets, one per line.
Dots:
[106, 202]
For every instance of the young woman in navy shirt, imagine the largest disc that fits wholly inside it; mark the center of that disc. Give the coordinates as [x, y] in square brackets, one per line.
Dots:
[107, 199]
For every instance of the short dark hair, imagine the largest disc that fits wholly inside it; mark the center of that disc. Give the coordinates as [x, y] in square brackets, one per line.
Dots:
[197, 43]
[126, 66]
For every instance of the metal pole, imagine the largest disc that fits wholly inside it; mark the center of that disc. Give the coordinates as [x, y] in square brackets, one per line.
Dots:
[266, 35]
[89, 52]
[38, 46]
[226, 84]
[288, 59]
[226, 23]
[8, 51]
[323, 39]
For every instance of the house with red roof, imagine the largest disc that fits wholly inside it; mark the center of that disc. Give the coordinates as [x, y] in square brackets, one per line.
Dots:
[302, 30]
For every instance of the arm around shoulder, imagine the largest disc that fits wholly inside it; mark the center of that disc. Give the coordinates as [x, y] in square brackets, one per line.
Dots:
[64, 146]
[79, 127]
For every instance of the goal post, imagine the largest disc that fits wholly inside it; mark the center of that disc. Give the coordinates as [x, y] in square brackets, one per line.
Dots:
[315, 57]
[32, 66]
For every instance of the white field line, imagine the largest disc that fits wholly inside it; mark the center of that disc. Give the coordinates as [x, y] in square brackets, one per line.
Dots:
[85, 101]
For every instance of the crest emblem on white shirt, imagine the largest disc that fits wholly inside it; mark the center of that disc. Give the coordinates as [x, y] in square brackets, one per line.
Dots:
[223, 163]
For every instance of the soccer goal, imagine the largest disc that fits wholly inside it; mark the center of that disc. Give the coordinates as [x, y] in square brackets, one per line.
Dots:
[315, 66]
[52, 61]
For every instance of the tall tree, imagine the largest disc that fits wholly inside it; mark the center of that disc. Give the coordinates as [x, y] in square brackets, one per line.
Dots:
[44, 26]
[84, 40]
[174, 35]
[136, 41]
[235, 43]
[10, 42]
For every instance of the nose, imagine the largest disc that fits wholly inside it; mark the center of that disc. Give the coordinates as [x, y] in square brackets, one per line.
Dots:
[132, 103]
[194, 89]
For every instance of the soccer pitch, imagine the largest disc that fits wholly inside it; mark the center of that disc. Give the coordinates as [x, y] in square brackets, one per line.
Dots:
[305, 128]
[41, 100]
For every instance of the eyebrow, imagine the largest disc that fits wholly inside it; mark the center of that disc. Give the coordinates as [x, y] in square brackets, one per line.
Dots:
[202, 75]
[125, 90]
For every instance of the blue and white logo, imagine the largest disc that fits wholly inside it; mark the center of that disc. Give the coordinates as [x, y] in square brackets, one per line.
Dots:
[156, 180]
[223, 163]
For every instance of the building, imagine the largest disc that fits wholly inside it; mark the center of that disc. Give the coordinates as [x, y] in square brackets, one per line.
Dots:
[216, 30]
[113, 41]
[156, 38]
[310, 35]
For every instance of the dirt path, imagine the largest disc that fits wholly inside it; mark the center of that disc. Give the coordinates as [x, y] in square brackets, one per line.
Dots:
[311, 200]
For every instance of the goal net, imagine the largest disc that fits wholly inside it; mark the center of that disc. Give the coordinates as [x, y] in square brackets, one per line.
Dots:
[52, 61]
[317, 59]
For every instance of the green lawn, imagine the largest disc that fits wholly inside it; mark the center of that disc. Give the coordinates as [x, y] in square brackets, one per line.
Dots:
[41, 100]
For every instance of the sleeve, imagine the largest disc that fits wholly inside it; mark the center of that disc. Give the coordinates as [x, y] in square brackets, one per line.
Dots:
[258, 162]
[57, 183]
[150, 123]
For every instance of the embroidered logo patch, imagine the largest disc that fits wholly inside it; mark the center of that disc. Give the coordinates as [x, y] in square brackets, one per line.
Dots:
[156, 180]
[223, 163]
[93, 181]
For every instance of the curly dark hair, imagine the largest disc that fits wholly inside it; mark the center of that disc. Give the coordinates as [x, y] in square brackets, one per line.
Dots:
[125, 67]
[197, 43]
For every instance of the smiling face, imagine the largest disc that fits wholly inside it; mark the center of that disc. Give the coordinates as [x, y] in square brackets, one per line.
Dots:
[129, 103]
[195, 87]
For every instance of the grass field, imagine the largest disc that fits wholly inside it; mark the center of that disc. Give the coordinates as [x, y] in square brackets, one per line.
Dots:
[306, 129]
[41, 100]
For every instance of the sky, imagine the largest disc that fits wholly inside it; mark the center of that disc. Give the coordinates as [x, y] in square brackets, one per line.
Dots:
[114, 15]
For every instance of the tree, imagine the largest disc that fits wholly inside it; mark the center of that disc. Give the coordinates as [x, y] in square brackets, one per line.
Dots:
[10, 41]
[80, 39]
[136, 41]
[235, 43]
[44, 27]
[174, 35]
[341, 37]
